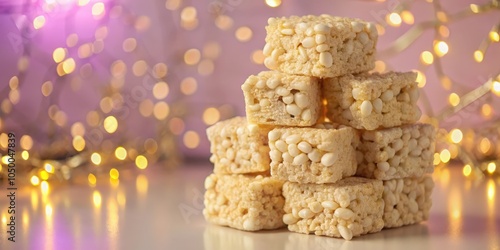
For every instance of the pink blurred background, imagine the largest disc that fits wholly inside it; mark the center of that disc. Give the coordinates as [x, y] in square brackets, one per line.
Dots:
[166, 30]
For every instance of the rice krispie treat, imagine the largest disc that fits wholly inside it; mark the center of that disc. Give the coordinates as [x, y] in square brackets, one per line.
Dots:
[238, 147]
[399, 152]
[348, 208]
[320, 46]
[324, 154]
[275, 98]
[245, 202]
[407, 201]
[372, 101]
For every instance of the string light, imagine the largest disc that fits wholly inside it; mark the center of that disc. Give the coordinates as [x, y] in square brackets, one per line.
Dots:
[491, 167]
[273, 3]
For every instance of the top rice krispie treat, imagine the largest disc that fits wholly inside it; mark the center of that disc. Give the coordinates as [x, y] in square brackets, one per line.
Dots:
[320, 46]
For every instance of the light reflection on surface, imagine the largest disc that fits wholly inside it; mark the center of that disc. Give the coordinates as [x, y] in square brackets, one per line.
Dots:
[141, 184]
[121, 199]
[34, 199]
[455, 212]
[26, 221]
[490, 193]
[49, 227]
[444, 176]
[96, 216]
[96, 198]
[112, 224]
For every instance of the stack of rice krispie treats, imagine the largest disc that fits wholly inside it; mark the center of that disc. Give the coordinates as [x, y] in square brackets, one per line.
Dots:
[326, 147]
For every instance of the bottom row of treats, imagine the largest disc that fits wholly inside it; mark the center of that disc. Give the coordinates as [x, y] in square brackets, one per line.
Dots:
[349, 208]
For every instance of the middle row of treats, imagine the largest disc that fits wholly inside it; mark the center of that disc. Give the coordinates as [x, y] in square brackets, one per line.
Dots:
[363, 101]
[325, 153]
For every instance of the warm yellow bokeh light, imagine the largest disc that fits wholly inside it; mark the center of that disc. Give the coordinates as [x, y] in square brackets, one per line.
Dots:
[14, 96]
[110, 124]
[85, 50]
[494, 36]
[97, 199]
[211, 115]
[35, 181]
[486, 110]
[160, 90]
[118, 69]
[442, 16]
[44, 175]
[44, 186]
[47, 88]
[95, 158]
[243, 34]
[129, 44]
[141, 162]
[98, 9]
[150, 146]
[191, 139]
[445, 156]
[467, 170]
[258, 57]
[189, 13]
[426, 57]
[484, 145]
[26, 142]
[177, 126]
[211, 50]
[192, 56]
[495, 88]
[139, 68]
[172, 4]
[68, 65]
[38, 22]
[474, 8]
[380, 66]
[408, 17]
[146, 108]
[77, 129]
[58, 55]
[273, 3]
[14, 82]
[394, 19]
[160, 70]
[93, 118]
[189, 86]
[142, 23]
[456, 135]
[444, 31]
[454, 99]
[92, 179]
[478, 56]
[25, 155]
[114, 174]
[121, 153]
[491, 167]
[446, 82]
[206, 67]
[49, 167]
[72, 40]
[223, 22]
[78, 143]
[441, 48]
[83, 2]
[161, 110]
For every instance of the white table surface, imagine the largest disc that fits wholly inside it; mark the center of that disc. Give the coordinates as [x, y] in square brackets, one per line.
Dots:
[161, 209]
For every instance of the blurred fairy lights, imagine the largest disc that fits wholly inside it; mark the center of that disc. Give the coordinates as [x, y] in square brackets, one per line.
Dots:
[75, 62]
[477, 148]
